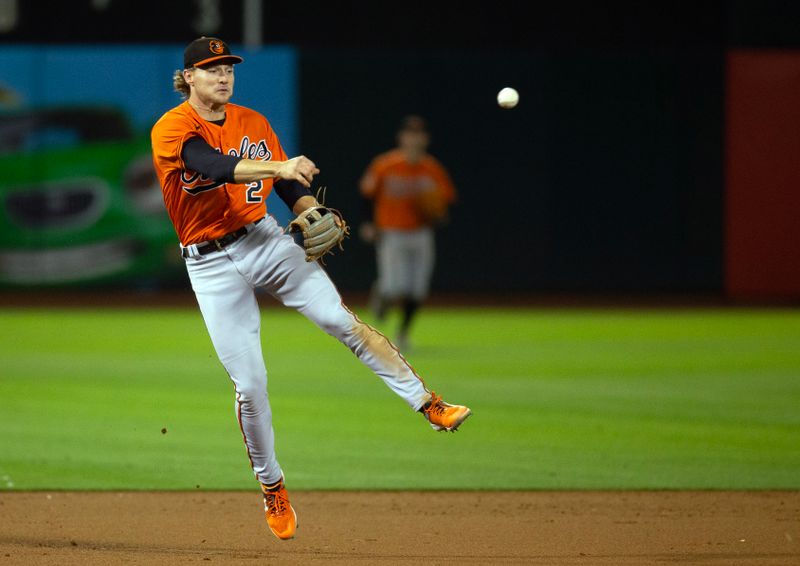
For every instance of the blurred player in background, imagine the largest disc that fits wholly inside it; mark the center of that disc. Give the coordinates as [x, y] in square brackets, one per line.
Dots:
[411, 192]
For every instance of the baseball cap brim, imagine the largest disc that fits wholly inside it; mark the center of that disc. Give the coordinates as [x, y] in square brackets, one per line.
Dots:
[232, 59]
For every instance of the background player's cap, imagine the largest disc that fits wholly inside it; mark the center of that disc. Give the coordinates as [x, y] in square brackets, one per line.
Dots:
[413, 123]
[205, 50]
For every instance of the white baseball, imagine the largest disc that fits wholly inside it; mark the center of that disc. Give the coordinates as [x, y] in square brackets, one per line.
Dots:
[508, 97]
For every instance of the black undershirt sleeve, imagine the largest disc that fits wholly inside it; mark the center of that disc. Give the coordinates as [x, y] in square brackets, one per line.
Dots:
[204, 159]
[290, 191]
[200, 157]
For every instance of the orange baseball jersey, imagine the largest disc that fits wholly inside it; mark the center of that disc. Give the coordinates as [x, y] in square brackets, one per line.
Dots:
[395, 184]
[203, 209]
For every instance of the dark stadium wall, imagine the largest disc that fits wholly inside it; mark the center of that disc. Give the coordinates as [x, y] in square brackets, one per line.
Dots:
[606, 178]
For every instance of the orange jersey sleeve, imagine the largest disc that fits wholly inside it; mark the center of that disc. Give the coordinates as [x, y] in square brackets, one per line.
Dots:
[395, 184]
[203, 209]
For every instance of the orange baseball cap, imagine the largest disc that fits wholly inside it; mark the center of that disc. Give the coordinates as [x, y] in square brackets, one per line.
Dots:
[206, 50]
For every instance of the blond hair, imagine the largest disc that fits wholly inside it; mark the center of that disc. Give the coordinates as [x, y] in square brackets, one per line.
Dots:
[180, 85]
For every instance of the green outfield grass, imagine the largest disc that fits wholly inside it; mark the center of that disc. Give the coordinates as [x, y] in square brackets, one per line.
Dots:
[562, 399]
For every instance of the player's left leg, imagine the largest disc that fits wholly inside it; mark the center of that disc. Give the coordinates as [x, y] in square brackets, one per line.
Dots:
[390, 252]
[274, 262]
[311, 292]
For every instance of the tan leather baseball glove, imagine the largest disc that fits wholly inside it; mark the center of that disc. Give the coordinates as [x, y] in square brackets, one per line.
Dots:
[321, 228]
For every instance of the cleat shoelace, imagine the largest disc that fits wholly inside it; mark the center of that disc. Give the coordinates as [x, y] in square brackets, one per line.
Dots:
[276, 503]
[436, 407]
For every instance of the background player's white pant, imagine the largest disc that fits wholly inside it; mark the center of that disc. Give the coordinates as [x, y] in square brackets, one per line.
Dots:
[405, 263]
[224, 284]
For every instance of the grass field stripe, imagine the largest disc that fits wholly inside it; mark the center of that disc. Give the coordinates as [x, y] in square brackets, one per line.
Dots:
[573, 399]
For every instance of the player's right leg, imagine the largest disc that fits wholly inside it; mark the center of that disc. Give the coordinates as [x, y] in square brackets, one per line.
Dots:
[232, 318]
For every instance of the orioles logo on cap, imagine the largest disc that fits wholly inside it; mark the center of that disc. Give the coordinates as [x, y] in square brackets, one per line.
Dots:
[216, 47]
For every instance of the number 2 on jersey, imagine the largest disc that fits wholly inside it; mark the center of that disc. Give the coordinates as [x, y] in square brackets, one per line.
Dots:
[252, 192]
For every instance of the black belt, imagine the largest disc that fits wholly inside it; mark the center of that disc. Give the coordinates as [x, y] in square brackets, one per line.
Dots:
[219, 243]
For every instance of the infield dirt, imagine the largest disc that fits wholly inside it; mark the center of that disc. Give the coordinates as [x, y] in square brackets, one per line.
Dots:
[558, 528]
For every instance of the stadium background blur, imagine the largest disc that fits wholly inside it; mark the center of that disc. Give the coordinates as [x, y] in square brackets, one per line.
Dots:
[652, 154]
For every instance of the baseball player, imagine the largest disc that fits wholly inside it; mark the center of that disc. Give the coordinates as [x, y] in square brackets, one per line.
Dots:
[217, 162]
[411, 192]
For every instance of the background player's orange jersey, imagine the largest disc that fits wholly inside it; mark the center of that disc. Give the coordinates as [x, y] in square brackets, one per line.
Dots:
[395, 185]
[203, 209]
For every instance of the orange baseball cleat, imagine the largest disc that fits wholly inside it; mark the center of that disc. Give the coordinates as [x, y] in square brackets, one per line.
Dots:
[281, 517]
[444, 416]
